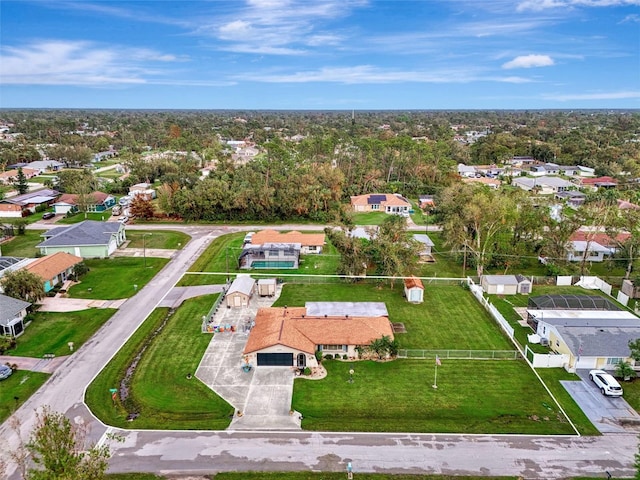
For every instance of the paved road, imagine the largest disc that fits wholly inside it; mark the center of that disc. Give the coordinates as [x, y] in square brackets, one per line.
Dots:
[204, 452]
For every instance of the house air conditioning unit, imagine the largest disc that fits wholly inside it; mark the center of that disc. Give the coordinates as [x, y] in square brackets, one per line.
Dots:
[544, 342]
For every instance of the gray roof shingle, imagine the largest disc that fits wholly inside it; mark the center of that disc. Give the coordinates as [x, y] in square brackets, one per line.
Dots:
[10, 308]
[88, 232]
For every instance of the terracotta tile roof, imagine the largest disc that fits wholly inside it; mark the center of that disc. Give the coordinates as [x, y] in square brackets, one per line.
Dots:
[413, 282]
[592, 181]
[272, 236]
[290, 327]
[599, 237]
[14, 173]
[389, 199]
[51, 265]
[624, 205]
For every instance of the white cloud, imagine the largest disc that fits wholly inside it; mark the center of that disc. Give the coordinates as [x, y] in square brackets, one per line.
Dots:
[538, 5]
[57, 62]
[594, 96]
[632, 18]
[369, 74]
[529, 61]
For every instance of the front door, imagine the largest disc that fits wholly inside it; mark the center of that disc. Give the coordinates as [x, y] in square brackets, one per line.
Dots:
[302, 360]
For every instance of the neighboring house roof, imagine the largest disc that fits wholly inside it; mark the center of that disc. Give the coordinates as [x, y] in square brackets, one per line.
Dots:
[14, 173]
[581, 246]
[38, 196]
[88, 232]
[51, 265]
[272, 236]
[242, 284]
[72, 198]
[380, 199]
[462, 168]
[500, 279]
[599, 341]
[573, 194]
[542, 182]
[294, 328]
[44, 164]
[413, 282]
[360, 232]
[599, 237]
[521, 278]
[599, 180]
[10, 308]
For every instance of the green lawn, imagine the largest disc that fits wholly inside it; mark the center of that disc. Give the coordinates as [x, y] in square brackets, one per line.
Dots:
[631, 393]
[23, 245]
[552, 377]
[160, 390]
[50, 332]
[449, 318]
[157, 239]
[22, 384]
[114, 278]
[472, 397]
[369, 218]
[222, 256]
[81, 217]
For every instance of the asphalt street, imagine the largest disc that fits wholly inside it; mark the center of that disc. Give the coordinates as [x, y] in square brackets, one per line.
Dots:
[532, 457]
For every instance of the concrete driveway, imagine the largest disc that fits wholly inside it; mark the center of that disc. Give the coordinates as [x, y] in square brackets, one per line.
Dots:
[60, 304]
[263, 395]
[608, 414]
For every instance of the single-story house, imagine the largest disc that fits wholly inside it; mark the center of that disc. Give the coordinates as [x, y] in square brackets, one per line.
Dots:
[240, 291]
[572, 197]
[595, 252]
[613, 244]
[591, 338]
[12, 314]
[392, 203]
[270, 255]
[143, 190]
[11, 264]
[309, 242]
[87, 239]
[599, 182]
[427, 245]
[25, 204]
[414, 290]
[99, 202]
[499, 284]
[54, 269]
[290, 336]
[46, 165]
[467, 170]
[521, 160]
[11, 176]
[543, 185]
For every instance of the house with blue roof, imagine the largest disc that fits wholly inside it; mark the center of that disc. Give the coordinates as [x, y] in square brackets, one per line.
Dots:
[88, 239]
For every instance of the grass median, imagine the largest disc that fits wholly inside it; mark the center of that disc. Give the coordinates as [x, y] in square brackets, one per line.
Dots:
[160, 391]
[164, 239]
[17, 389]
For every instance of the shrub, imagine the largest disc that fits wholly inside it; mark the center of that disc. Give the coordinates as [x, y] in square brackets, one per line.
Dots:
[6, 343]
[345, 357]
[328, 356]
[318, 355]
[307, 371]
[625, 371]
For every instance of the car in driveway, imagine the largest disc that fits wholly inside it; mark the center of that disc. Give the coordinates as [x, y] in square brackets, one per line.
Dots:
[48, 215]
[606, 383]
[5, 372]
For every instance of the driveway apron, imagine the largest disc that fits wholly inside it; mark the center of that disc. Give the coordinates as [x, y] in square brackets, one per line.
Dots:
[262, 396]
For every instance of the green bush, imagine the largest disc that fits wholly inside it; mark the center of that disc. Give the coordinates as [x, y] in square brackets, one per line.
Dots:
[318, 355]
[624, 370]
[307, 371]
[345, 357]
[328, 356]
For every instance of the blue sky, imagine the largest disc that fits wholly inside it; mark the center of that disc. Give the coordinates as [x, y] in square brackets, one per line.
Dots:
[320, 54]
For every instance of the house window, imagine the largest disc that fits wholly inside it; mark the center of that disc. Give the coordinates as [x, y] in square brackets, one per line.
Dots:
[593, 254]
[333, 348]
[273, 253]
[375, 207]
[557, 343]
[613, 361]
[312, 248]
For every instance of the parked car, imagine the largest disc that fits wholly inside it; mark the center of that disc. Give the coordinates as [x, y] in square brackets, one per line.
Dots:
[5, 372]
[124, 201]
[48, 215]
[606, 383]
